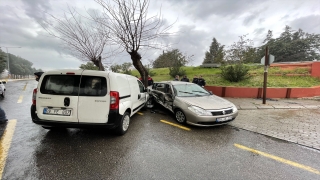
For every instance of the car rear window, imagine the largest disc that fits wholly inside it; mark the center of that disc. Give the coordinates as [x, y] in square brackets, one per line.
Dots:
[69, 85]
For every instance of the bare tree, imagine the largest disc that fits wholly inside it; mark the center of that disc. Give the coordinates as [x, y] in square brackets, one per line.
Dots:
[131, 28]
[80, 34]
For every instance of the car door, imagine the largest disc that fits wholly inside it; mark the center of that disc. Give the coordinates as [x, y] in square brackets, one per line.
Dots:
[94, 100]
[168, 97]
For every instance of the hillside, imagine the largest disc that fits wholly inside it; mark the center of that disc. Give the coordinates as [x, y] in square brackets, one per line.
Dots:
[276, 77]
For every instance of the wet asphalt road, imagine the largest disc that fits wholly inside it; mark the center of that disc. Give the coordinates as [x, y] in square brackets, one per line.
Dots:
[150, 149]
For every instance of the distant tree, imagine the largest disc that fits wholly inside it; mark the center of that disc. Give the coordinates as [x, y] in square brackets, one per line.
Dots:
[82, 36]
[89, 66]
[3, 61]
[115, 68]
[242, 51]
[125, 68]
[293, 45]
[177, 61]
[19, 66]
[169, 58]
[215, 53]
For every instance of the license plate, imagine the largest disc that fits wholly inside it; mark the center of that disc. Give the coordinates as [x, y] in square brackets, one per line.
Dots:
[62, 112]
[224, 119]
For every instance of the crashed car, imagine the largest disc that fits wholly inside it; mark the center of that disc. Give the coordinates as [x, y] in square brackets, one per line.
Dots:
[2, 88]
[191, 103]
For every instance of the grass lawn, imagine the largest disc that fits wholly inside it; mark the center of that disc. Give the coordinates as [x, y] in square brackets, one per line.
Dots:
[213, 78]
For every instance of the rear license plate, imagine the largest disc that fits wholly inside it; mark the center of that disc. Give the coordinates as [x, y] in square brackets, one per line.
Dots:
[224, 119]
[62, 112]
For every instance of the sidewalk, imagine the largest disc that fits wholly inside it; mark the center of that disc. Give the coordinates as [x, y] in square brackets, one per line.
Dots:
[293, 120]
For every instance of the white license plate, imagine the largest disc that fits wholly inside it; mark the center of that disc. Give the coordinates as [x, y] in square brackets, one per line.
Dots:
[62, 112]
[224, 119]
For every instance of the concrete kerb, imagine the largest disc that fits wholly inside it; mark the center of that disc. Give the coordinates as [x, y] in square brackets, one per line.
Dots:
[291, 140]
[256, 104]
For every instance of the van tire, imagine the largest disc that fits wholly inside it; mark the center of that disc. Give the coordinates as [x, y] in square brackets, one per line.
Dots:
[124, 124]
[3, 93]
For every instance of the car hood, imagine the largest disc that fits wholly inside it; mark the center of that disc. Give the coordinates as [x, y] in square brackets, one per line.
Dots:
[207, 102]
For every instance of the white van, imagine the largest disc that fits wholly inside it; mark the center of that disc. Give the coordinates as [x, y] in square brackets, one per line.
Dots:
[87, 98]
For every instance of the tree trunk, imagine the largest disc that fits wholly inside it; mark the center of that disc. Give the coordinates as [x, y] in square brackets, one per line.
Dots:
[136, 57]
[98, 63]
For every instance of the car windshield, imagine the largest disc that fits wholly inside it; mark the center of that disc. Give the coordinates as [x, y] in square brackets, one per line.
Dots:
[190, 90]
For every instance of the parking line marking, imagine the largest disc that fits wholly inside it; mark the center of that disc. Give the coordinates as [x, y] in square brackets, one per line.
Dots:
[301, 166]
[25, 86]
[140, 113]
[5, 143]
[20, 99]
[176, 125]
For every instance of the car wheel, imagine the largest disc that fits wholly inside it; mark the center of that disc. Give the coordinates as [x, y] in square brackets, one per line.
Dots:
[180, 117]
[124, 124]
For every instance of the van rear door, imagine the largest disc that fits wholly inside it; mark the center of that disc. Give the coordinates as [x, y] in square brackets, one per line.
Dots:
[57, 99]
[94, 100]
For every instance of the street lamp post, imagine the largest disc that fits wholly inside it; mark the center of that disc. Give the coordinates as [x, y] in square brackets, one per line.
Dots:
[9, 58]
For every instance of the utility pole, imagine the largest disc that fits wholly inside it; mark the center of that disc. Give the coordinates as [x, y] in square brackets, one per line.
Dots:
[266, 64]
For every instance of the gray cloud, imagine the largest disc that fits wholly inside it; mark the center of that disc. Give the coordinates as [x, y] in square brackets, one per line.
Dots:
[248, 20]
[310, 24]
[37, 9]
[192, 42]
[204, 9]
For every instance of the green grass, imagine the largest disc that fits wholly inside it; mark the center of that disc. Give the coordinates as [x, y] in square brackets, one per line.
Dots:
[213, 78]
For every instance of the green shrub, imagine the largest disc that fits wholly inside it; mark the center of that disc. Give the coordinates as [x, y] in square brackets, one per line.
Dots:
[235, 73]
[176, 70]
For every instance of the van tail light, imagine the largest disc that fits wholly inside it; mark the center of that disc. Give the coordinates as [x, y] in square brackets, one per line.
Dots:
[114, 100]
[34, 96]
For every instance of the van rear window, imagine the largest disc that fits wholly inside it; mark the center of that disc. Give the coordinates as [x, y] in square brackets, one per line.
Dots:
[69, 85]
[60, 85]
[93, 86]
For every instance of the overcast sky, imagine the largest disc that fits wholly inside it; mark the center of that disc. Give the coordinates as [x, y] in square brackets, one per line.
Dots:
[197, 22]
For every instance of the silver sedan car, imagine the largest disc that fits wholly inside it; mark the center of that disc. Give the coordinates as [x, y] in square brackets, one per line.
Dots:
[191, 103]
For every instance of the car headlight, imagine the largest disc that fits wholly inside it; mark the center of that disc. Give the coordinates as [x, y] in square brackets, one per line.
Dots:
[199, 111]
[234, 109]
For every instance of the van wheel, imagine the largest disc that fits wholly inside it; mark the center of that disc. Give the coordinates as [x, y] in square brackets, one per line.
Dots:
[3, 93]
[124, 124]
[180, 117]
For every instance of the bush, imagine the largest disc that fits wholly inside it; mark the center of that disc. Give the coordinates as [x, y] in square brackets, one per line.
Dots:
[173, 71]
[235, 73]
